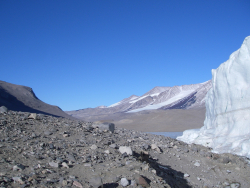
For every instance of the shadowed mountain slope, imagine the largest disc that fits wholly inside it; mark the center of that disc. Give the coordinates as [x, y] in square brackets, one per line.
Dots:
[22, 98]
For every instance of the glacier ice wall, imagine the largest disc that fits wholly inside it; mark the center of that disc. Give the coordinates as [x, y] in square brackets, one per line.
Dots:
[227, 125]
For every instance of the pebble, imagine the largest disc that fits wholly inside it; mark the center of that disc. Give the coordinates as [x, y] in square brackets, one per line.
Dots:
[186, 175]
[113, 146]
[155, 147]
[197, 164]
[54, 164]
[96, 181]
[18, 167]
[126, 149]
[65, 165]
[154, 171]
[47, 133]
[93, 147]
[141, 181]
[124, 182]
[235, 185]
[77, 184]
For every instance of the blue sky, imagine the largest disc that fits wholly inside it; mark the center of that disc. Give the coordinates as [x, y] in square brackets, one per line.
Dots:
[86, 53]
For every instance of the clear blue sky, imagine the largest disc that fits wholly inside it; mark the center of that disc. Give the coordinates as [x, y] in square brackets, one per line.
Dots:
[86, 53]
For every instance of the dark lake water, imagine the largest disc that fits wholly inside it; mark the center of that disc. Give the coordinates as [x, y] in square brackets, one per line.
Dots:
[168, 134]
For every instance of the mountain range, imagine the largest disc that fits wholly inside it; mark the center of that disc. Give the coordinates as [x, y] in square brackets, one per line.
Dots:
[159, 98]
[161, 109]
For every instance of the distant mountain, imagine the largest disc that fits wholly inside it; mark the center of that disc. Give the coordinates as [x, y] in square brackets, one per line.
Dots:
[177, 97]
[22, 98]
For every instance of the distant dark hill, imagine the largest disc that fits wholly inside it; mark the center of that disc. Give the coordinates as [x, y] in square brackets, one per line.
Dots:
[22, 98]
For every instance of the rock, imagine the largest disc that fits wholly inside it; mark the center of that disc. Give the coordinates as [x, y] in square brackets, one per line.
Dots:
[51, 146]
[235, 185]
[197, 164]
[32, 116]
[54, 164]
[77, 184]
[124, 182]
[47, 133]
[18, 179]
[141, 181]
[18, 167]
[33, 135]
[186, 175]
[113, 146]
[93, 147]
[65, 165]
[65, 135]
[3, 109]
[146, 168]
[105, 126]
[88, 164]
[146, 146]
[64, 182]
[96, 182]
[155, 147]
[106, 151]
[71, 157]
[125, 149]
[133, 183]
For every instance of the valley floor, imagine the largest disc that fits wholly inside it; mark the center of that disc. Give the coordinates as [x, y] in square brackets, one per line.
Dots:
[44, 151]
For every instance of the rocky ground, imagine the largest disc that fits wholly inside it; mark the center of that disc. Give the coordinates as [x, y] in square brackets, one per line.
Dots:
[43, 151]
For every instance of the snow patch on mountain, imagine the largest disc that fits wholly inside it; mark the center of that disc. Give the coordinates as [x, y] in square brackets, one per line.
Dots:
[133, 98]
[113, 105]
[175, 98]
[138, 99]
[226, 128]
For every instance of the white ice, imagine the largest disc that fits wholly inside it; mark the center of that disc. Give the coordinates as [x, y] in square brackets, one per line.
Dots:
[227, 125]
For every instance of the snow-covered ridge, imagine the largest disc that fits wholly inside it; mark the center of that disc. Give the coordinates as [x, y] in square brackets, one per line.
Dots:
[167, 102]
[113, 105]
[131, 98]
[226, 128]
[185, 96]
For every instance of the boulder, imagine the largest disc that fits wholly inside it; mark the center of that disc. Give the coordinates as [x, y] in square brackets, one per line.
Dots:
[104, 126]
[126, 149]
[3, 109]
[32, 116]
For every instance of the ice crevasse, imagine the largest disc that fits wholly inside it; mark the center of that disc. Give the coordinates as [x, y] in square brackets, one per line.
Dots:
[227, 125]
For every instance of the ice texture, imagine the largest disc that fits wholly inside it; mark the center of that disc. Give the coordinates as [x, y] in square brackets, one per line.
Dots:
[227, 125]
